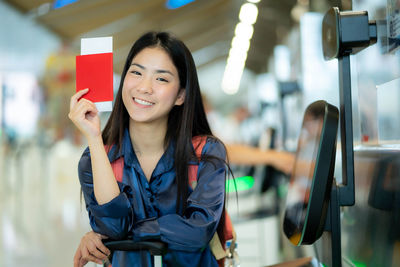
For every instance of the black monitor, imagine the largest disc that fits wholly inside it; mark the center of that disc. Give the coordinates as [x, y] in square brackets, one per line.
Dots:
[311, 179]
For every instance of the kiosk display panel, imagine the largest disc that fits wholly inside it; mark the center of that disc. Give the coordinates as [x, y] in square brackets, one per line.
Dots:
[311, 179]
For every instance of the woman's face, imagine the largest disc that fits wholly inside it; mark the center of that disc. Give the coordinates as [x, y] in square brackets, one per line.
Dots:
[151, 87]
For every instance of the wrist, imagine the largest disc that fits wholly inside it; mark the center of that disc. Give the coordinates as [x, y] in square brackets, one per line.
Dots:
[95, 141]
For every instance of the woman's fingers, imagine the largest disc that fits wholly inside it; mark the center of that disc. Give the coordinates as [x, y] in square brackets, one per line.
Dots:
[83, 107]
[86, 255]
[75, 97]
[83, 103]
[100, 246]
[91, 249]
[78, 258]
[95, 247]
[85, 116]
[77, 104]
[82, 262]
[92, 259]
[103, 236]
[95, 251]
[79, 261]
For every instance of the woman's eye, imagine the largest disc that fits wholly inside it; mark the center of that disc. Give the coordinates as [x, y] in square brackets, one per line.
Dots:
[135, 72]
[162, 79]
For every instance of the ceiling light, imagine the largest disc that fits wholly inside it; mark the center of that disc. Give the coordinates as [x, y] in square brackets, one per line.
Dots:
[236, 61]
[244, 31]
[240, 43]
[248, 13]
[231, 81]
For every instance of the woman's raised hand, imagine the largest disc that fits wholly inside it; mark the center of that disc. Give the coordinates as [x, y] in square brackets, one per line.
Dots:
[84, 114]
[91, 248]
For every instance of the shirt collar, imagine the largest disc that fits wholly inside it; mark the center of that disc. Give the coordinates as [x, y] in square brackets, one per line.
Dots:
[166, 162]
[126, 146]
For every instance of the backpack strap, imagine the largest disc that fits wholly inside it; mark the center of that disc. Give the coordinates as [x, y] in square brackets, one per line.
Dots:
[217, 245]
[198, 144]
[117, 166]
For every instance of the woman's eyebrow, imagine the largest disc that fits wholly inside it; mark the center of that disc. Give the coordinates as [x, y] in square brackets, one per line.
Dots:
[157, 71]
[140, 66]
[164, 71]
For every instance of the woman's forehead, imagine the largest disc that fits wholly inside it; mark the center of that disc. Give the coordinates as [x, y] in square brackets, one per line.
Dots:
[154, 57]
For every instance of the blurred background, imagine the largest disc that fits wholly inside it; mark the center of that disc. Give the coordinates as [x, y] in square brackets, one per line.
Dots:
[260, 64]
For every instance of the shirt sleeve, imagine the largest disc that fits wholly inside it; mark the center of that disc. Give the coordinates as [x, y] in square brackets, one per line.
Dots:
[113, 218]
[194, 230]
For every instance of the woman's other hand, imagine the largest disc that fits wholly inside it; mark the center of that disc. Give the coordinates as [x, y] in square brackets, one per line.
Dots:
[91, 248]
[84, 114]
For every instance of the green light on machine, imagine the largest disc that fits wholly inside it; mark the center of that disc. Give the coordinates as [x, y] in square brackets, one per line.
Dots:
[356, 263]
[359, 264]
[242, 183]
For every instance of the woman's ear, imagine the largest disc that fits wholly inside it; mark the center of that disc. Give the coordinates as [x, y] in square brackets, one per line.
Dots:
[181, 97]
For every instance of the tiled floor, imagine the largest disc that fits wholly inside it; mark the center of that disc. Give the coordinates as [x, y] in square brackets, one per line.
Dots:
[41, 218]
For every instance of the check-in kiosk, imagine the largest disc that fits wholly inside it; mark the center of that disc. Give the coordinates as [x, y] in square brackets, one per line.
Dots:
[312, 206]
[311, 181]
[314, 196]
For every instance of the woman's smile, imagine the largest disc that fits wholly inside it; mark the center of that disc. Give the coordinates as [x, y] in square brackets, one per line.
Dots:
[142, 103]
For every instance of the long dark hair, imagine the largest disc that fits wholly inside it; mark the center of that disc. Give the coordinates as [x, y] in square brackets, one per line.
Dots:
[184, 121]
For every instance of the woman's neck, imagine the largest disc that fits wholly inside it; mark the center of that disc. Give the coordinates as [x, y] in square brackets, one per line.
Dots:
[147, 138]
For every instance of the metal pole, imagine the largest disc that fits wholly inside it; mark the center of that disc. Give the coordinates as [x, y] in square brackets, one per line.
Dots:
[346, 192]
[335, 227]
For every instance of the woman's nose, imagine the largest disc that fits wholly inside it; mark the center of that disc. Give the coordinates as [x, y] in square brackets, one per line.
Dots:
[145, 86]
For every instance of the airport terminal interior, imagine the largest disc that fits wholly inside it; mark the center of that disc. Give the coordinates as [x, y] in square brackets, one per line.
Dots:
[304, 94]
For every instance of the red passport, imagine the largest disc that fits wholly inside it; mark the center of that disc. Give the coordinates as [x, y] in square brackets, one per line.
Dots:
[95, 71]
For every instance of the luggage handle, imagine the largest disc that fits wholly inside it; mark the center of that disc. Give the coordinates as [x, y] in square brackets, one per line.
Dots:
[155, 247]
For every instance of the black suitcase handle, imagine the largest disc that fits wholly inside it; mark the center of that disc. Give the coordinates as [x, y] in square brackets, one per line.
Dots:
[155, 247]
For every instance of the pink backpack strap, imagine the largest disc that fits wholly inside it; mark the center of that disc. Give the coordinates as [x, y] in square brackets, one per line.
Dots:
[198, 144]
[117, 166]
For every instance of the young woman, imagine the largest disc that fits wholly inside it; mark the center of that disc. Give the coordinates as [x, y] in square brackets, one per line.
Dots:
[157, 112]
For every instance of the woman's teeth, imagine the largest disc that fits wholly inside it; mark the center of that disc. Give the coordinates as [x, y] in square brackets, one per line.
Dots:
[143, 102]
